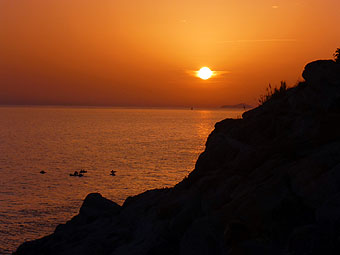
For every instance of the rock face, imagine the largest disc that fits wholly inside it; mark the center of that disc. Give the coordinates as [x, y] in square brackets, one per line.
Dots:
[268, 183]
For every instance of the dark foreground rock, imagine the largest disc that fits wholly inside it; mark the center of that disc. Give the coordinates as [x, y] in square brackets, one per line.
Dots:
[268, 183]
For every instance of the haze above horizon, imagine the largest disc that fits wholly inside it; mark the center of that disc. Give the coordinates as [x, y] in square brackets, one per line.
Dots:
[144, 53]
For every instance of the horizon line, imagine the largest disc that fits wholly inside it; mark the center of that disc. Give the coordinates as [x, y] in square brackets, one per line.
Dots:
[119, 106]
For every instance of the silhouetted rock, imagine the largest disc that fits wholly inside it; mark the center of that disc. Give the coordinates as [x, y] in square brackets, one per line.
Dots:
[266, 184]
[95, 205]
[322, 71]
[83, 234]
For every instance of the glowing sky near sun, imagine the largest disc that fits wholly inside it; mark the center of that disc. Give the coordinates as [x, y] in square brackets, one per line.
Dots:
[143, 52]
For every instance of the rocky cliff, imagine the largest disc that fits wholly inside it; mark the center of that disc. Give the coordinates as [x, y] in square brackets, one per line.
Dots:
[268, 183]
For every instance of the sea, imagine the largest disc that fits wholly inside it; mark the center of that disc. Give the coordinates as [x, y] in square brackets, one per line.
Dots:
[147, 149]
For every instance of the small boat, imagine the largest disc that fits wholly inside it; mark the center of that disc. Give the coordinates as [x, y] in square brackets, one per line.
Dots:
[75, 174]
[42, 172]
[82, 171]
[113, 173]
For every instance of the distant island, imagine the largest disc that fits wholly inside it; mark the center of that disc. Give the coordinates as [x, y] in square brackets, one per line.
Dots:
[237, 106]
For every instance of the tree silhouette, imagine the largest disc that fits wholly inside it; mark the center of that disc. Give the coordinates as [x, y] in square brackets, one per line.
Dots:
[337, 55]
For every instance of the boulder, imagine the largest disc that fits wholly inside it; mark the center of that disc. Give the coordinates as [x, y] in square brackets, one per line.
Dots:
[95, 206]
[322, 72]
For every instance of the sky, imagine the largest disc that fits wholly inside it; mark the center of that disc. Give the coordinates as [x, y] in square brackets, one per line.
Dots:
[145, 53]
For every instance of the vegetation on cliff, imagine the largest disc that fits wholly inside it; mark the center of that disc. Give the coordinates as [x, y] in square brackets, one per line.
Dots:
[337, 55]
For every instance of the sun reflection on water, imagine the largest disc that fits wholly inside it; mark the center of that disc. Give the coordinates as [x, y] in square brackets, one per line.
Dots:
[148, 148]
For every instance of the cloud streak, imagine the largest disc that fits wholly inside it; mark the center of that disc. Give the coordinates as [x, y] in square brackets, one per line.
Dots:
[215, 73]
[259, 40]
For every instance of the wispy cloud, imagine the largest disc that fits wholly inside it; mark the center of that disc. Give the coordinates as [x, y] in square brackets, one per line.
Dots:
[220, 72]
[215, 73]
[259, 40]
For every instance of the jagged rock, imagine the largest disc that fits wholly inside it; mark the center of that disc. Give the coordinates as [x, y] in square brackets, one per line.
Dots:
[313, 240]
[322, 71]
[95, 205]
[201, 238]
[329, 212]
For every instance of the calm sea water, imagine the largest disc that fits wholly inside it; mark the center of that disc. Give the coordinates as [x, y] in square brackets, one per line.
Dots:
[149, 148]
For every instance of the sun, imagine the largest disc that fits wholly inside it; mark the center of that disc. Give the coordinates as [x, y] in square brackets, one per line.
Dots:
[204, 73]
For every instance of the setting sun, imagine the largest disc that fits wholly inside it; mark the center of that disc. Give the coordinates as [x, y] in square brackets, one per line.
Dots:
[204, 73]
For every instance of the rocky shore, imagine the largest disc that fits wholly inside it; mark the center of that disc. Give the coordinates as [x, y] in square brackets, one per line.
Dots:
[268, 183]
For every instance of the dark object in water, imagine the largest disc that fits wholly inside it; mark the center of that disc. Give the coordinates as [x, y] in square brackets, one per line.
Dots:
[82, 171]
[42, 172]
[75, 173]
[78, 174]
[113, 173]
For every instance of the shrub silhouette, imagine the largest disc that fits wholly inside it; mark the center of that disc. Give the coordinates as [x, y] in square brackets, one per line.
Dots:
[273, 93]
[337, 55]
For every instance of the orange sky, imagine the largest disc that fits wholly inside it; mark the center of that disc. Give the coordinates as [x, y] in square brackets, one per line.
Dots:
[143, 52]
